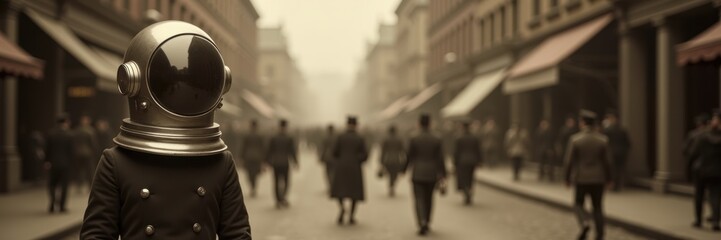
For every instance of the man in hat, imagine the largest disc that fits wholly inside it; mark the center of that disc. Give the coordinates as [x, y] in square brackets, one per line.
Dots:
[701, 125]
[545, 151]
[86, 145]
[707, 151]
[588, 169]
[393, 156]
[425, 158]
[491, 140]
[619, 144]
[349, 153]
[251, 154]
[58, 160]
[564, 135]
[281, 154]
[466, 157]
[516, 143]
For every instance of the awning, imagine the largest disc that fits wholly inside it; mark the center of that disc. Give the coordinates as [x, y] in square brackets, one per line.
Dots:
[423, 97]
[258, 103]
[394, 108]
[540, 68]
[704, 47]
[231, 109]
[15, 61]
[103, 69]
[473, 94]
[282, 112]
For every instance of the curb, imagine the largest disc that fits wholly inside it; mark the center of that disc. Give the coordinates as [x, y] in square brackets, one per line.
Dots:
[629, 226]
[63, 233]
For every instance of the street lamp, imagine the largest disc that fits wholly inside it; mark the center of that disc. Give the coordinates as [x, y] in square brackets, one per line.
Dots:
[450, 57]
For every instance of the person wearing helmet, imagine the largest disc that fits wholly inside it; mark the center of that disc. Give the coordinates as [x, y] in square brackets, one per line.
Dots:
[170, 176]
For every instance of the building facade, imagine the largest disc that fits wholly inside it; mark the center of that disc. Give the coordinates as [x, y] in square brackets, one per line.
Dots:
[281, 80]
[411, 46]
[380, 66]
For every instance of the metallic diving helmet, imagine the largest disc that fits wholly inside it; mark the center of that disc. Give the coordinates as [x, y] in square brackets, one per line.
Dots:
[174, 78]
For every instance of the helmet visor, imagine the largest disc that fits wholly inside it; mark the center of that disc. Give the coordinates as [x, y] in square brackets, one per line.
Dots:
[186, 75]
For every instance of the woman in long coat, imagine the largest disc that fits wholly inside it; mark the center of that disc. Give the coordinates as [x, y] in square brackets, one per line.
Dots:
[349, 152]
[393, 156]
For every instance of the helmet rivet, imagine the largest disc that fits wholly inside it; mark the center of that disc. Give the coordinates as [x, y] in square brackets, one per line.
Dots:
[144, 105]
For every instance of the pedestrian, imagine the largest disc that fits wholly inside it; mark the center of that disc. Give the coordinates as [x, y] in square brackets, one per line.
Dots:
[620, 145]
[693, 165]
[104, 136]
[701, 123]
[545, 152]
[349, 153]
[59, 162]
[393, 157]
[86, 147]
[252, 151]
[281, 154]
[588, 168]
[32, 152]
[466, 157]
[426, 160]
[325, 153]
[491, 139]
[516, 148]
[170, 176]
[707, 151]
[568, 129]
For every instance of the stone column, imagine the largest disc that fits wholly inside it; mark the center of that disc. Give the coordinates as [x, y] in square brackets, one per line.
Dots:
[10, 165]
[669, 108]
[632, 98]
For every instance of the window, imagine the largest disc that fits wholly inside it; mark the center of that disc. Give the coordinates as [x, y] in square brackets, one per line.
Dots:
[492, 29]
[553, 3]
[536, 7]
[503, 22]
[481, 35]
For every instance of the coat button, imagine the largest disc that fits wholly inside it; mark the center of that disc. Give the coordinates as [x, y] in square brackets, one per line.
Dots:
[201, 191]
[144, 193]
[149, 230]
[196, 227]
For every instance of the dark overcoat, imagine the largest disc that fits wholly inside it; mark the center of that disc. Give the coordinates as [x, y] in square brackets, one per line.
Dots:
[252, 152]
[466, 156]
[707, 149]
[425, 158]
[393, 154]
[349, 152]
[145, 196]
[281, 151]
[618, 142]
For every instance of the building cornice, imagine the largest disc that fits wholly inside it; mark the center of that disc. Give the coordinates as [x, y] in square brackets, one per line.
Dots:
[448, 17]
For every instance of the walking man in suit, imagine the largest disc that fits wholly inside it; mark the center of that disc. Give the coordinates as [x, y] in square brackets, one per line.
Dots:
[58, 160]
[588, 169]
[349, 153]
[281, 154]
[707, 151]
[425, 158]
[619, 145]
[466, 157]
[393, 156]
[251, 154]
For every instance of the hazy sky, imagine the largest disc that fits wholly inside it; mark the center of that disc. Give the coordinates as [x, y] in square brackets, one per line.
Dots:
[327, 36]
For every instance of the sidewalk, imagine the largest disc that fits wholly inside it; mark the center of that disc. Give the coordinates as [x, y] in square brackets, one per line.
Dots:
[24, 214]
[652, 214]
